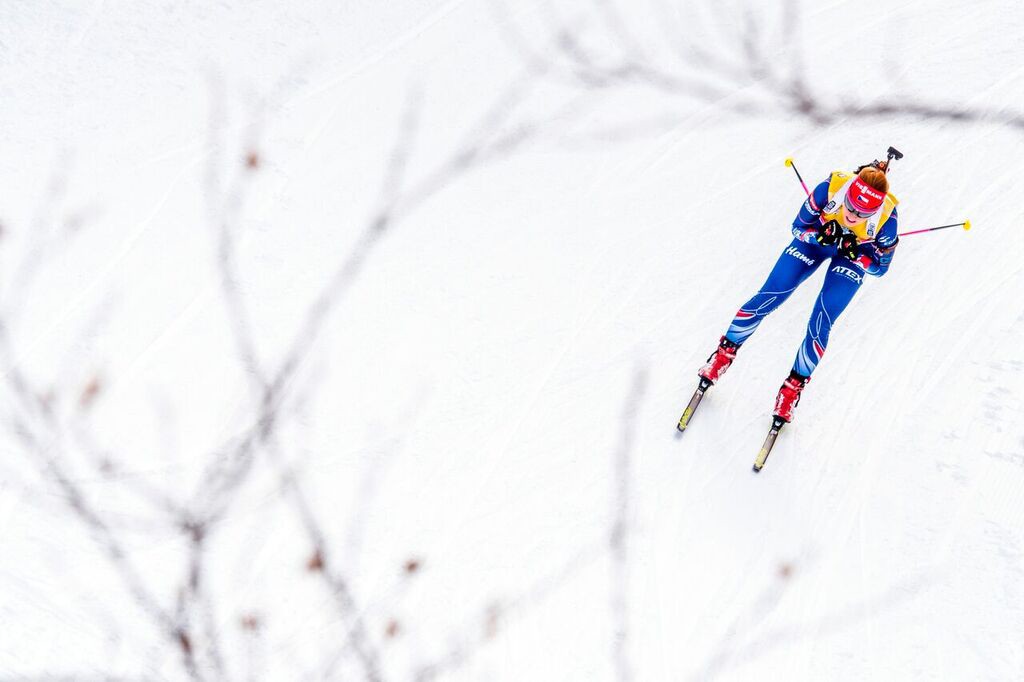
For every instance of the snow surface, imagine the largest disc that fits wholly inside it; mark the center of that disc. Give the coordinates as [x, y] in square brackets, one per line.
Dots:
[513, 336]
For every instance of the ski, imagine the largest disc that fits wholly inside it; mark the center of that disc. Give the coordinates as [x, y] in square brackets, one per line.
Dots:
[769, 443]
[698, 395]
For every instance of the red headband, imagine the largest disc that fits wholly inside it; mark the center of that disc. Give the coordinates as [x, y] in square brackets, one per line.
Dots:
[864, 197]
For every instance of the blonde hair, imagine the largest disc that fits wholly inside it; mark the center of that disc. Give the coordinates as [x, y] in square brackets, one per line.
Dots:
[875, 178]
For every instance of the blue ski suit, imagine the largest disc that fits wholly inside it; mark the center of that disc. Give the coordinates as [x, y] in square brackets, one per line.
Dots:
[799, 261]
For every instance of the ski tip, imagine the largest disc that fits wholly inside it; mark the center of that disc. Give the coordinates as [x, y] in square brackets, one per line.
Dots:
[789, 161]
[762, 457]
[756, 469]
[967, 224]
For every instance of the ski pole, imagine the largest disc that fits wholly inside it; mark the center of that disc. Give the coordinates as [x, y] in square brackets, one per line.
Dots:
[965, 224]
[892, 154]
[789, 162]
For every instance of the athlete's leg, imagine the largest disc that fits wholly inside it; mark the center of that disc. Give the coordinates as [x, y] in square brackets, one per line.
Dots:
[797, 262]
[842, 281]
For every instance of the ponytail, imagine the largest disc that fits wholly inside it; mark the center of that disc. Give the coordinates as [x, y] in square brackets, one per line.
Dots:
[874, 177]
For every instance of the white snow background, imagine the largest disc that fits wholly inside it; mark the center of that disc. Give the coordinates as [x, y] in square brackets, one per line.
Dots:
[480, 438]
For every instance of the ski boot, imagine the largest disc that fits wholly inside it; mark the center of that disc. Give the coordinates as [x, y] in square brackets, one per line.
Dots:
[719, 361]
[709, 374]
[789, 395]
[785, 403]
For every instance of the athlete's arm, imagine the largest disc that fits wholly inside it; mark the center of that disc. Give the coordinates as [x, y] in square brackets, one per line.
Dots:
[806, 223]
[876, 257]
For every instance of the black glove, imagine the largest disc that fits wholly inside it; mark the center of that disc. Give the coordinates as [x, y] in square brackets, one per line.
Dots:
[847, 246]
[828, 233]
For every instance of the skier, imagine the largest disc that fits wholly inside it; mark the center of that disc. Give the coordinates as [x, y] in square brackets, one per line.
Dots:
[850, 221]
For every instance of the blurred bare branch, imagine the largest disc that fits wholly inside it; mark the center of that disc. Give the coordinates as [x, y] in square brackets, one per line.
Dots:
[619, 535]
[723, 654]
[743, 76]
[501, 613]
[41, 232]
[225, 214]
[737, 647]
[584, 58]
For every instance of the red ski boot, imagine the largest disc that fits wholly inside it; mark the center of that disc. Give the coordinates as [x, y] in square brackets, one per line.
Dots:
[789, 395]
[709, 374]
[719, 361]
